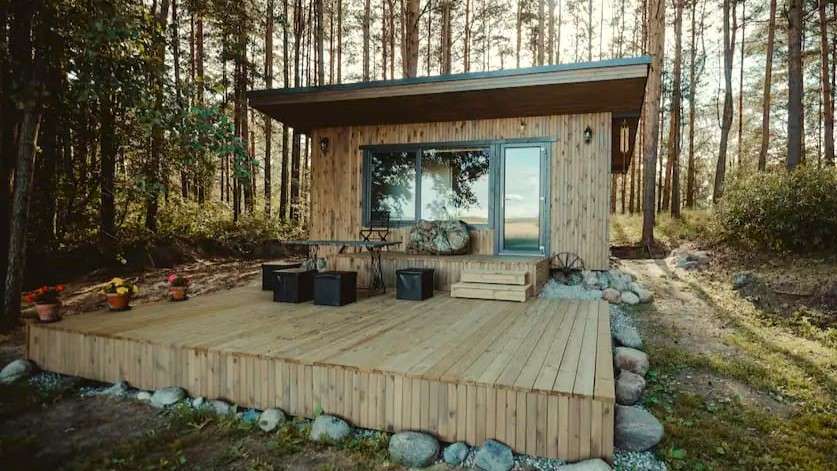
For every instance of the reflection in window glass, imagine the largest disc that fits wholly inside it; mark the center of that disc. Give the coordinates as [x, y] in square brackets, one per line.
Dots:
[454, 185]
[393, 184]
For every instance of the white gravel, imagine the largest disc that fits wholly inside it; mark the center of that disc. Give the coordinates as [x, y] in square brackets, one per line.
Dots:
[554, 290]
[619, 318]
[637, 461]
[46, 381]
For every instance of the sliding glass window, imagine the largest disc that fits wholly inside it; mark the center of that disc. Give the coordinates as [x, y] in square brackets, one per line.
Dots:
[452, 183]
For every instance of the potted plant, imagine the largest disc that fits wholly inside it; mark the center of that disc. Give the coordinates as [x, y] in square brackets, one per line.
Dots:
[119, 292]
[178, 287]
[47, 301]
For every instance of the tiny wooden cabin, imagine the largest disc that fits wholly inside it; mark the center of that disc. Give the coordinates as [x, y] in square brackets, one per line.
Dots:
[523, 156]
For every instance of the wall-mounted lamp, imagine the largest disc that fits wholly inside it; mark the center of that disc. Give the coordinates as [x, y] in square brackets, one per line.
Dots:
[588, 135]
[324, 145]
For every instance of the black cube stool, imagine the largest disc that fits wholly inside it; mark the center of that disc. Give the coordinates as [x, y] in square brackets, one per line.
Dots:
[415, 284]
[268, 270]
[335, 288]
[293, 285]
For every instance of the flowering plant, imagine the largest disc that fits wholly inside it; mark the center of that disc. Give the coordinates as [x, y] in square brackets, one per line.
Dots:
[120, 286]
[178, 281]
[44, 295]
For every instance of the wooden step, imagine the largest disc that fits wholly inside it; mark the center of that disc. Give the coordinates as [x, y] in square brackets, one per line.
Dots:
[500, 277]
[494, 291]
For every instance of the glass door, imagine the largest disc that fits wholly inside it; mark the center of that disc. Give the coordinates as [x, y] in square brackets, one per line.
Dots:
[523, 216]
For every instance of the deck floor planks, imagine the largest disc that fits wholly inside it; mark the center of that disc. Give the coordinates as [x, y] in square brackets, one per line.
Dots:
[535, 375]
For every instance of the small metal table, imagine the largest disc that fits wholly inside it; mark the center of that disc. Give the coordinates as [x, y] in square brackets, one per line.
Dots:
[376, 269]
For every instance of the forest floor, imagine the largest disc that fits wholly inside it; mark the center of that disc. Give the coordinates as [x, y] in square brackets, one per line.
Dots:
[741, 380]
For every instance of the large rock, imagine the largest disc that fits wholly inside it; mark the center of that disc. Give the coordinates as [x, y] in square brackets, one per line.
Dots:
[455, 453]
[143, 396]
[636, 429]
[221, 407]
[17, 370]
[626, 335]
[629, 387]
[618, 280]
[438, 238]
[644, 295]
[327, 428]
[587, 465]
[167, 396]
[494, 456]
[631, 359]
[611, 295]
[271, 418]
[413, 449]
[629, 297]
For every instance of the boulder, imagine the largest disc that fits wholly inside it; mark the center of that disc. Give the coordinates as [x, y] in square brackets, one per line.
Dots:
[618, 280]
[17, 370]
[494, 456]
[198, 402]
[438, 238]
[612, 296]
[629, 297]
[626, 335]
[271, 418]
[644, 295]
[221, 407]
[167, 396]
[455, 453]
[629, 387]
[636, 429]
[143, 396]
[330, 429]
[413, 449]
[631, 359]
[586, 465]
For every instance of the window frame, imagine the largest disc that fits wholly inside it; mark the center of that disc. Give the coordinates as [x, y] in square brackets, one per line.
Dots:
[493, 147]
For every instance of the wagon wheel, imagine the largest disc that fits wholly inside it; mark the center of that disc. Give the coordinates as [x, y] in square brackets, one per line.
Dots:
[567, 262]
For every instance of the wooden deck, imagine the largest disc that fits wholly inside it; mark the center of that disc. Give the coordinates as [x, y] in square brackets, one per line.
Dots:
[537, 376]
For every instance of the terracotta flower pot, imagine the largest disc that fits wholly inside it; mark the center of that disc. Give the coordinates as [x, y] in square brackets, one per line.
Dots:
[178, 293]
[49, 312]
[118, 302]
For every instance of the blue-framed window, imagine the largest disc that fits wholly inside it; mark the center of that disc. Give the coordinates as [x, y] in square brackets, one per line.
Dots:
[431, 182]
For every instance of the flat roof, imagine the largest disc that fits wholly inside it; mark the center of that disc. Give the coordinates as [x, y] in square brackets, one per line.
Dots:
[616, 85]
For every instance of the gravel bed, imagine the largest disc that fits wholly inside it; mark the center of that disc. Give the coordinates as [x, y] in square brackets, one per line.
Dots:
[637, 461]
[554, 290]
[619, 318]
[47, 382]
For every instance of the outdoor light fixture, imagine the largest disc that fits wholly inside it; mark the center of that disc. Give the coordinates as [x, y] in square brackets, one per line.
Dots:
[588, 135]
[324, 145]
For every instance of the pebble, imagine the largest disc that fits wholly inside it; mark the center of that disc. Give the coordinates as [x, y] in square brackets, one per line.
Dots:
[637, 461]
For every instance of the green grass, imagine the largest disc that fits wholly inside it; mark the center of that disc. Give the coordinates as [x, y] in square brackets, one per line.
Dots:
[627, 229]
[705, 433]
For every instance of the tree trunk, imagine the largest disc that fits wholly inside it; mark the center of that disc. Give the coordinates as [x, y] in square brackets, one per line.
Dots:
[318, 37]
[589, 30]
[726, 119]
[690, 169]
[550, 40]
[795, 110]
[446, 38]
[268, 121]
[339, 41]
[409, 60]
[541, 48]
[741, 80]
[519, 32]
[768, 72]
[674, 127]
[828, 110]
[367, 20]
[152, 170]
[656, 39]
[108, 148]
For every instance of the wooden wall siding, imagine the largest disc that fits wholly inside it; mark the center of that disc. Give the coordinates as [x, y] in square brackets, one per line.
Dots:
[580, 175]
[537, 376]
[447, 268]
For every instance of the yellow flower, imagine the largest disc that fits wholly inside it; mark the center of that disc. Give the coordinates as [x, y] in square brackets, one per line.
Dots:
[117, 281]
[121, 290]
[134, 289]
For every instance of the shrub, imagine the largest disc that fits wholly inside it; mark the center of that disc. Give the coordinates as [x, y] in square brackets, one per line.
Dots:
[786, 211]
